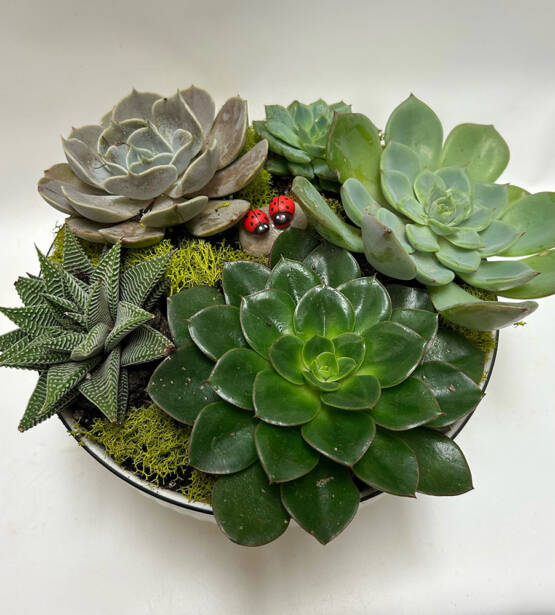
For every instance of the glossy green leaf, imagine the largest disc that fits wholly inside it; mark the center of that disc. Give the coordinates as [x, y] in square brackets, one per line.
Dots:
[370, 301]
[293, 277]
[242, 278]
[392, 352]
[409, 297]
[325, 221]
[389, 465]
[354, 150]
[234, 374]
[356, 199]
[315, 346]
[406, 406]
[350, 345]
[324, 501]
[478, 148]
[441, 464]
[186, 303]
[280, 402]
[265, 317]
[342, 436]
[358, 392]
[540, 286]
[323, 311]
[286, 357]
[500, 275]
[217, 329]
[534, 216]
[222, 440]
[456, 393]
[415, 125]
[329, 385]
[283, 453]
[421, 321]
[294, 244]
[235, 498]
[333, 265]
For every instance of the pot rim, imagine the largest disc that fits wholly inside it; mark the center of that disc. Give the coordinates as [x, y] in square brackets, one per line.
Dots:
[174, 499]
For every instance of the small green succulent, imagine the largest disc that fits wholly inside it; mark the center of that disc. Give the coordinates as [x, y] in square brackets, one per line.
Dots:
[81, 327]
[431, 211]
[152, 163]
[298, 135]
[300, 379]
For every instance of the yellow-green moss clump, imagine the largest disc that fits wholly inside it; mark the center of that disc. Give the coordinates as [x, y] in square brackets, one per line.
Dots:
[92, 250]
[155, 447]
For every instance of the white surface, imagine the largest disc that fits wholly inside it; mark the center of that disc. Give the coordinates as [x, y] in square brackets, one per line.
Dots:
[74, 539]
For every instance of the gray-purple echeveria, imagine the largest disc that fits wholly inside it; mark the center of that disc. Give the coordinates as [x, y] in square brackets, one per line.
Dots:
[153, 162]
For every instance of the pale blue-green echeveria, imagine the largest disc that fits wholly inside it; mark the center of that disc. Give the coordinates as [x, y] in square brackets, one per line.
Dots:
[430, 210]
[300, 379]
[154, 162]
[297, 137]
[82, 327]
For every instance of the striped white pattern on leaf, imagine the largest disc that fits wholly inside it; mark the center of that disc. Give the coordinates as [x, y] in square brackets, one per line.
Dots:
[75, 260]
[123, 394]
[12, 337]
[139, 281]
[108, 272]
[61, 379]
[145, 345]
[78, 291]
[92, 343]
[30, 290]
[35, 319]
[128, 319]
[97, 309]
[101, 387]
[52, 275]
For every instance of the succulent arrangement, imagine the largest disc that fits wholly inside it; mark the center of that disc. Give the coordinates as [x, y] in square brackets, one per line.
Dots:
[321, 350]
[299, 379]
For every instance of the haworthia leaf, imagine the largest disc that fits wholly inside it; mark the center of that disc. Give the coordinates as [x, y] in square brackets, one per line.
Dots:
[144, 345]
[129, 317]
[64, 378]
[138, 281]
[91, 344]
[30, 290]
[123, 394]
[97, 309]
[108, 272]
[51, 273]
[102, 387]
[34, 320]
[12, 337]
[75, 260]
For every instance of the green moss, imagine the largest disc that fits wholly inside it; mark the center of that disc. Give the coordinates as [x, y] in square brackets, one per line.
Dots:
[93, 250]
[138, 255]
[251, 140]
[155, 447]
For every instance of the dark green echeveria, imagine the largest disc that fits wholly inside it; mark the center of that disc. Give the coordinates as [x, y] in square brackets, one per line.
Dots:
[82, 327]
[297, 136]
[437, 213]
[299, 379]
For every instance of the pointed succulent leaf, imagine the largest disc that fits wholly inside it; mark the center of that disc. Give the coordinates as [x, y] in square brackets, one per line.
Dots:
[323, 311]
[222, 440]
[59, 306]
[179, 384]
[217, 329]
[370, 302]
[291, 154]
[201, 104]
[333, 265]
[91, 344]
[129, 317]
[243, 278]
[401, 158]
[87, 230]
[103, 208]
[34, 320]
[101, 387]
[286, 357]
[62, 379]
[429, 271]
[540, 286]
[172, 114]
[7, 340]
[64, 341]
[389, 465]
[144, 345]
[356, 199]
[30, 290]
[108, 273]
[198, 173]
[294, 244]
[27, 354]
[455, 178]
[160, 291]
[479, 149]
[358, 392]
[236, 496]
[500, 275]
[75, 261]
[422, 321]
[52, 275]
[97, 309]
[293, 277]
[138, 281]
[322, 502]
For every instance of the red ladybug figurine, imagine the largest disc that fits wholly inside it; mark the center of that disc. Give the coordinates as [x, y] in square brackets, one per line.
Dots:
[257, 222]
[282, 210]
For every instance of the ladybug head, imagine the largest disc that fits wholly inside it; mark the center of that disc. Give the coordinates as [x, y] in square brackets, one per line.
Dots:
[281, 220]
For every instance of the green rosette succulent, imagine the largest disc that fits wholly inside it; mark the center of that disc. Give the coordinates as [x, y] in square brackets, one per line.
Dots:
[430, 210]
[152, 163]
[305, 380]
[297, 136]
[82, 327]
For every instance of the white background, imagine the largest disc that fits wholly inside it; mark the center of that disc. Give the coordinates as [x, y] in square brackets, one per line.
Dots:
[74, 539]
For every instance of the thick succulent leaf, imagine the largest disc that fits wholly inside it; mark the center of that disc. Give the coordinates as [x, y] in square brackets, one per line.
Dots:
[85, 229]
[455, 178]
[409, 297]
[201, 104]
[498, 237]
[238, 174]
[283, 453]
[356, 199]
[315, 346]
[443, 470]
[406, 406]
[370, 302]
[429, 271]
[97, 309]
[108, 273]
[136, 105]
[534, 216]
[467, 238]
[323, 311]
[415, 125]
[422, 238]
[398, 191]
[145, 344]
[159, 292]
[277, 166]
[52, 274]
[456, 393]
[102, 387]
[106, 209]
[7, 340]
[384, 251]
[234, 375]
[129, 317]
[172, 114]
[59, 306]
[399, 157]
[294, 244]
[500, 275]
[291, 154]
[138, 281]
[322, 502]
[243, 278]
[333, 265]
[452, 347]
[326, 222]
[392, 352]
[218, 216]
[179, 384]
[279, 402]
[87, 165]
[350, 345]
[492, 196]
[217, 329]
[91, 344]
[230, 130]
[123, 395]
[30, 290]
[480, 219]
[287, 359]
[33, 320]
[540, 286]
[389, 465]
[236, 496]
[31, 355]
[77, 290]
[50, 187]
[422, 321]
[222, 440]
[354, 150]
[186, 303]
[293, 277]
[358, 392]
[478, 148]
[427, 185]
[169, 212]
[462, 308]
[128, 234]
[457, 259]
[342, 436]
[144, 185]
[266, 316]
[75, 260]
[62, 379]
[198, 173]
